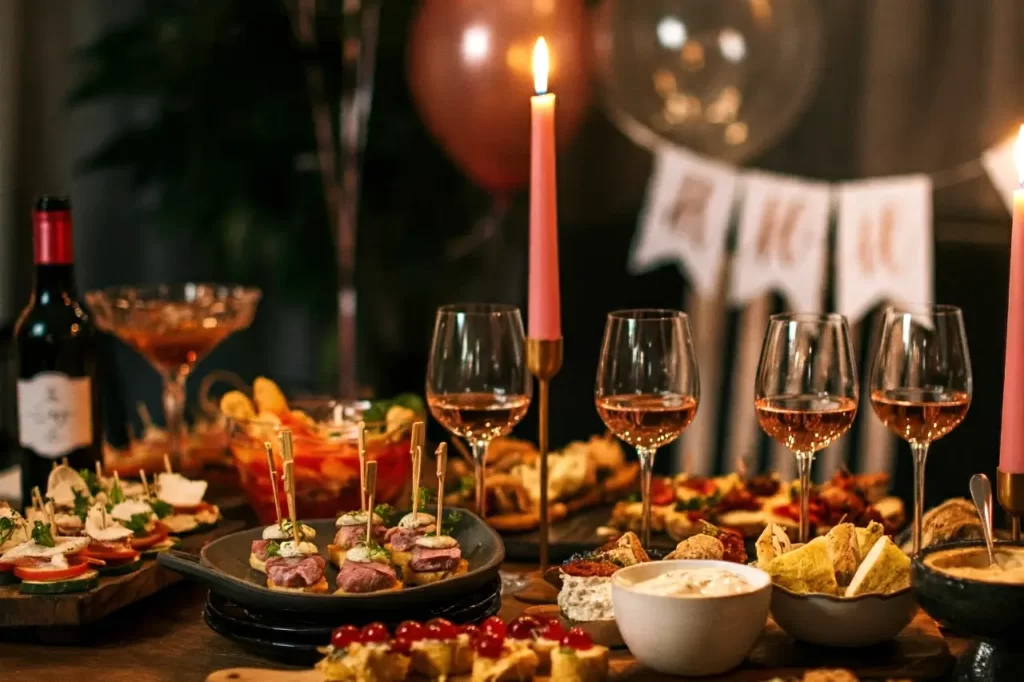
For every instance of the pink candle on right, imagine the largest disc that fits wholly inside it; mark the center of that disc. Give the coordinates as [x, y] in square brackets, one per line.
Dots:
[1011, 442]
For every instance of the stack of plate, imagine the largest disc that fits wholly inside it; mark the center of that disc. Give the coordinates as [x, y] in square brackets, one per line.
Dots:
[293, 637]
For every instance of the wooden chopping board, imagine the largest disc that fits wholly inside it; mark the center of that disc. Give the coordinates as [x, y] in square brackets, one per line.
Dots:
[917, 653]
[19, 610]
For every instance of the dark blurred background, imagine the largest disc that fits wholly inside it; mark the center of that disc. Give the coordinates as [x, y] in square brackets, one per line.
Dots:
[183, 131]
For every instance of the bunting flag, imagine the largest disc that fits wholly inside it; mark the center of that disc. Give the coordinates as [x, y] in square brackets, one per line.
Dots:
[689, 201]
[782, 241]
[883, 243]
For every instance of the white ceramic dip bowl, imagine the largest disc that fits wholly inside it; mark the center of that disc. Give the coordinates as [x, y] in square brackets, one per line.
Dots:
[692, 635]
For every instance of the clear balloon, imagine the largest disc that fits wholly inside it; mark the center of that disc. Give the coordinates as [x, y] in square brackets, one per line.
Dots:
[724, 78]
[470, 73]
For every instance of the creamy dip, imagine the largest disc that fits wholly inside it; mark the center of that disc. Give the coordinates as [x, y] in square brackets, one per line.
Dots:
[695, 582]
[972, 564]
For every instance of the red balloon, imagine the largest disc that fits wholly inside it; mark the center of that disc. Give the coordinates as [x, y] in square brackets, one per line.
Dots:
[470, 66]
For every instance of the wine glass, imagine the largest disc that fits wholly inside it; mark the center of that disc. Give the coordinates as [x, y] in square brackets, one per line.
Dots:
[921, 382]
[647, 386]
[174, 326]
[805, 394]
[478, 386]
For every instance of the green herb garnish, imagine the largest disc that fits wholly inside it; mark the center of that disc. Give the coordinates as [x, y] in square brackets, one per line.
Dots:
[426, 499]
[385, 512]
[451, 520]
[635, 497]
[376, 552]
[81, 504]
[273, 548]
[42, 536]
[6, 529]
[92, 481]
[161, 508]
[116, 494]
[137, 524]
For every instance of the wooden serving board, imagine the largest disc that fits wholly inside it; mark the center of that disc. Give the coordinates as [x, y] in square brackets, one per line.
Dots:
[917, 653]
[19, 610]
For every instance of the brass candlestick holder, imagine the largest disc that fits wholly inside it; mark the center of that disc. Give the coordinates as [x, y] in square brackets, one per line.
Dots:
[1010, 493]
[544, 359]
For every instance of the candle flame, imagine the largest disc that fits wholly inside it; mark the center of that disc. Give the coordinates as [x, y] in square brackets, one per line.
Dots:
[1020, 155]
[540, 66]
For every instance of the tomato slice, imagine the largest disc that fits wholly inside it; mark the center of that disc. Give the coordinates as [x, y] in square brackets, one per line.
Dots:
[112, 554]
[48, 572]
[6, 568]
[157, 536]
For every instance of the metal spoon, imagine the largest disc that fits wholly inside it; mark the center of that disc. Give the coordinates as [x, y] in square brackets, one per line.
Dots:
[981, 493]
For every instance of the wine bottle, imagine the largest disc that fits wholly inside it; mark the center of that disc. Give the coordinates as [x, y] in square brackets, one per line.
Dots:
[54, 359]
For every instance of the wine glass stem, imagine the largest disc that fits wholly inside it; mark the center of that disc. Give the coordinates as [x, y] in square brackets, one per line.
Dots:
[646, 457]
[174, 416]
[804, 460]
[920, 454]
[479, 459]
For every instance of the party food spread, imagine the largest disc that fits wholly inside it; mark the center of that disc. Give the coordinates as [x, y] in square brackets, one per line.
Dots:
[846, 562]
[438, 650]
[973, 564]
[585, 592]
[695, 582]
[680, 503]
[581, 475]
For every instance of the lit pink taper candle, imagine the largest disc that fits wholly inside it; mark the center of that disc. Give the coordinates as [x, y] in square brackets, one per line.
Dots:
[544, 312]
[1011, 445]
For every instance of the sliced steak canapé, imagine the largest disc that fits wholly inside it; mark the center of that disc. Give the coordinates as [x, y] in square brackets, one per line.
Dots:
[404, 539]
[295, 571]
[365, 576]
[259, 548]
[350, 536]
[426, 559]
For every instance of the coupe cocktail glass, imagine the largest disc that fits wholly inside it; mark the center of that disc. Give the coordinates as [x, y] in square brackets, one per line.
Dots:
[173, 326]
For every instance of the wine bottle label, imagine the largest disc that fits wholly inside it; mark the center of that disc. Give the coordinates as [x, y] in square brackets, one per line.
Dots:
[54, 413]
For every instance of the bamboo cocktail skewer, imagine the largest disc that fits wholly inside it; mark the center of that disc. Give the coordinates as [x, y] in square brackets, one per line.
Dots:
[269, 447]
[145, 483]
[371, 487]
[167, 464]
[442, 466]
[289, 475]
[416, 453]
[117, 482]
[361, 439]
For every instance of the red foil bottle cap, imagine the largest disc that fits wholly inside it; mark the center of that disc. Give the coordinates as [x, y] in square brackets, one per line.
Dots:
[51, 223]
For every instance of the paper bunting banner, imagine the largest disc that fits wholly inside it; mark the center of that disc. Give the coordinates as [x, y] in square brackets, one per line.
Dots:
[883, 243]
[782, 241]
[689, 201]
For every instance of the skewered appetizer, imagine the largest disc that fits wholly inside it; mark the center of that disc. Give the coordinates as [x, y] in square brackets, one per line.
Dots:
[434, 558]
[352, 532]
[296, 567]
[365, 655]
[439, 648]
[186, 498]
[401, 539]
[367, 568]
[46, 564]
[273, 536]
[110, 542]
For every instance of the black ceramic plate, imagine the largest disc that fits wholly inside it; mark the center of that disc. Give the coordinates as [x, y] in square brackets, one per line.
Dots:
[224, 568]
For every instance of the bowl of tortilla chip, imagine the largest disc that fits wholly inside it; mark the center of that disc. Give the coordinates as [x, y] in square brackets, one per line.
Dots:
[849, 588]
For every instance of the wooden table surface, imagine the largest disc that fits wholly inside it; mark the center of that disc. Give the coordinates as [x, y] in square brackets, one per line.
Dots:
[161, 639]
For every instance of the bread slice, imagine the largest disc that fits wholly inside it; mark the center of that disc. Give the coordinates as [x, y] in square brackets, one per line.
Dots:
[394, 588]
[399, 558]
[257, 564]
[806, 569]
[430, 577]
[885, 569]
[843, 551]
[336, 554]
[773, 542]
[516, 664]
[749, 522]
[320, 587]
[867, 537]
[626, 551]
[580, 666]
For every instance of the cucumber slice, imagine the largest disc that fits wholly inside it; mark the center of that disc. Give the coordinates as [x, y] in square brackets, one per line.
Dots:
[81, 583]
[167, 544]
[119, 569]
[8, 578]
